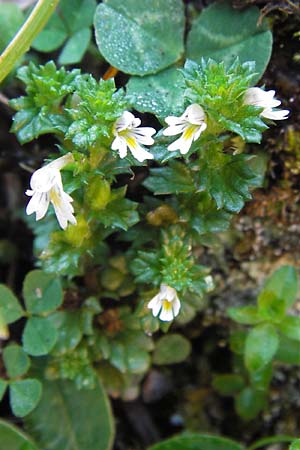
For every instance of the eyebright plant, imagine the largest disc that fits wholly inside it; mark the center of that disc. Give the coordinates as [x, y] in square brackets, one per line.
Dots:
[124, 213]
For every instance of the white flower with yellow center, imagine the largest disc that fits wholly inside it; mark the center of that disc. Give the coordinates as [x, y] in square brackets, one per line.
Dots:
[46, 186]
[190, 125]
[165, 304]
[128, 133]
[265, 99]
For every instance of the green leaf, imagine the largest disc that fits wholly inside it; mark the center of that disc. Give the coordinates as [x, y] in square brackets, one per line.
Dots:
[3, 386]
[160, 94]
[119, 213]
[290, 327]
[246, 315]
[171, 349]
[224, 33]
[237, 342]
[52, 36]
[260, 379]
[228, 384]
[295, 445]
[42, 292]
[272, 440]
[68, 418]
[75, 47]
[228, 178]
[288, 351]
[12, 438]
[15, 360]
[195, 441]
[39, 336]
[77, 14]
[11, 20]
[173, 179]
[144, 37]
[24, 396]
[261, 346]
[283, 284]
[270, 307]
[10, 309]
[249, 403]
[69, 331]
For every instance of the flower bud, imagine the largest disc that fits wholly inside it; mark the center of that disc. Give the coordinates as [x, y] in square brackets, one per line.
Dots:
[98, 193]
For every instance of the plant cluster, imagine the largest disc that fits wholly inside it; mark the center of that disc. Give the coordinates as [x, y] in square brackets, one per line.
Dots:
[125, 211]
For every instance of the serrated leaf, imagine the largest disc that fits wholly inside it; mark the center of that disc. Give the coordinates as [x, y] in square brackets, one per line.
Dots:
[15, 360]
[283, 284]
[228, 179]
[171, 349]
[228, 384]
[160, 94]
[144, 37]
[42, 292]
[24, 396]
[290, 327]
[172, 179]
[39, 336]
[75, 47]
[68, 418]
[119, 213]
[247, 315]
[3, 386]
[223, 33]
[10, 308]
[12, 438]
[260, 347]
[194, 441]
[249, 403]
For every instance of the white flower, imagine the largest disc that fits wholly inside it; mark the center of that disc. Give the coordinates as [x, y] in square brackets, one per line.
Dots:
[128, 133]
[165, 304]
[191, 124]
[46, 186]
[265, 99]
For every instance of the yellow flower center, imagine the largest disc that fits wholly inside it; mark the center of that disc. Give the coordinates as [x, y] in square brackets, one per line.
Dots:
[167, 306]
[55, 198]
[189, 131]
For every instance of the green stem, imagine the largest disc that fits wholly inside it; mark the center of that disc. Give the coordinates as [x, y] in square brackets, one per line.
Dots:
[23, 39]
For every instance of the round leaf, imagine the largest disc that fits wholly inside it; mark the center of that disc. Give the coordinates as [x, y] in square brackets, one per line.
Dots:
[69, 330]
[197, 442]
[75, 47]
[171, 349]
[160, 94]
[15, 360]
[3, 386]
[11, 19]
[228, 384]
[68, 418]
[295, 445]
[52, 36]
[42, 292]
[224, 33]
[290, 327]
[261, 345]
[10, 309]
[249, 403]
[12, 438]
[144, 37]
[246, 315]
[39, 336]
[24, 396]
[283, 284]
